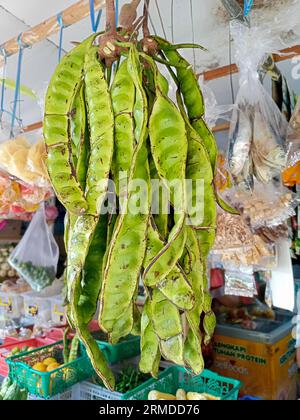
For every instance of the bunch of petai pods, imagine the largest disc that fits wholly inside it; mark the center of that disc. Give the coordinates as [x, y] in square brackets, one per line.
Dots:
[96, 128]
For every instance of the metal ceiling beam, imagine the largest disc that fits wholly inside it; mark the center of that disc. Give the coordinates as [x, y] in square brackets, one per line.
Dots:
[40, 32]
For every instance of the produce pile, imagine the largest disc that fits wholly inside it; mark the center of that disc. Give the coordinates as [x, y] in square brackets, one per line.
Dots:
[6, 272]
[181, 395]
[115, 100]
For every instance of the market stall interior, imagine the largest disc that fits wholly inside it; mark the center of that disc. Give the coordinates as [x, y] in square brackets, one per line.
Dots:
[149, 200]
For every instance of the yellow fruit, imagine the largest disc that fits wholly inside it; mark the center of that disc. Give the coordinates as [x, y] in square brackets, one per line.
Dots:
[40, 367]
[53, 366]
[49, 361]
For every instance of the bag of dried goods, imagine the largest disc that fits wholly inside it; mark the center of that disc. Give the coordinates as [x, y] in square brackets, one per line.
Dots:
[236, 246]
[36, 256]
[25, 161]
[18, 199]
[266, 208]
[258, 129]
[293, 137]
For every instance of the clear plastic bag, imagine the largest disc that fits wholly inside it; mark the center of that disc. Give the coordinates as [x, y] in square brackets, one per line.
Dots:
[213, 111]
[258, 129]
[237, 247]
[293, 137]
[238, 283]
[25, 160]
[36, 256]
[19, 200]
[266, 208]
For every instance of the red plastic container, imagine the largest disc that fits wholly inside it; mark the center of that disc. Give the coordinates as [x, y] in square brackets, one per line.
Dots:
[6, 349]
[57, 333]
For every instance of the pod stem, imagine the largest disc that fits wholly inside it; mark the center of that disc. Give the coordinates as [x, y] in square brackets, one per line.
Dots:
[110, 17]
[146, 31]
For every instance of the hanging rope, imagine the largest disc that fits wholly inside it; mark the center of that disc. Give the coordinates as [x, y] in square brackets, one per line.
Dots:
[4, 54]
[161, 19]
[18, 83]
[61, 34]
[95, 21]
[247, 7]
[193, 32]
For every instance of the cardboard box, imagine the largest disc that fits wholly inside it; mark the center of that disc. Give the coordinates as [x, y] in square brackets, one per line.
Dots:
[263, 361]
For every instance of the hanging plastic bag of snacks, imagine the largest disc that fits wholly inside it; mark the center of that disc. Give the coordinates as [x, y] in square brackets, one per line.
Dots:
[36, 256]
[237, 247]
[293, 137]
[25, 161]
[291, 176]
[240, 283]
[18, 199]
[266, 208]
[258, 129]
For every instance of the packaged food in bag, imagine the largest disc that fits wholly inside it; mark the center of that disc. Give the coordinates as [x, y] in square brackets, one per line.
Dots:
[258, 129]
[266, 208]
[293, 137]
[239, 283]
[36, 256]
[25, 160]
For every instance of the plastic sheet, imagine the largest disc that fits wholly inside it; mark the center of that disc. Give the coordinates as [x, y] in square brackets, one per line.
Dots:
[213, 111]
[258, 129]
[237, 247]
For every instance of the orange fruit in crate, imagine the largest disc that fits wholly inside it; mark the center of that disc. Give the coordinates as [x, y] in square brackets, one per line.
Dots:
[40, 367]
[49, 361]
[52, 367]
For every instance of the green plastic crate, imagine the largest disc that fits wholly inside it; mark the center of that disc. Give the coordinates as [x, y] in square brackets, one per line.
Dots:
[48, 384]
[176, 377]
[127, 348]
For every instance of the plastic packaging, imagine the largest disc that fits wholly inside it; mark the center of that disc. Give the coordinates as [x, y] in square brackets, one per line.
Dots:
[58, 310]
[18, 199]
[36, 256]
[213, 111]
[293, 137]
[238, 283]
[266, 206]
[237, 247]
[36, 308]
[258, 129]
[222, 177]
[11, 304]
